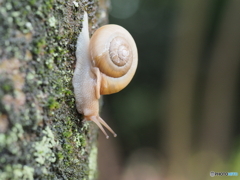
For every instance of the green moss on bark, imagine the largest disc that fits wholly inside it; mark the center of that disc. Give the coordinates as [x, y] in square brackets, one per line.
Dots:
[41, 134]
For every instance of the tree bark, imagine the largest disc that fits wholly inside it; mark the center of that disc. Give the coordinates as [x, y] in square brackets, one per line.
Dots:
[41, 133]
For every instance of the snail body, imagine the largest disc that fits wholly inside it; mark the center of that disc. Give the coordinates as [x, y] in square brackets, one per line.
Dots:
[105, 65]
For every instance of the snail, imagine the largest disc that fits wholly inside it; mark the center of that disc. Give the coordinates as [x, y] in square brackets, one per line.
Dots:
[105, 64]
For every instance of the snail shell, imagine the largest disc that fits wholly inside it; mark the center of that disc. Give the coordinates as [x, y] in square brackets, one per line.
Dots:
[114, 52]
[105, 65]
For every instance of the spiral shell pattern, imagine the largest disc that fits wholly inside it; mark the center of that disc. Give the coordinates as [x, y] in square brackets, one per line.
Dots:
[114, 52]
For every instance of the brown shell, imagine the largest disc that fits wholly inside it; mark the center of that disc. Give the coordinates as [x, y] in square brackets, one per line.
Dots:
[114, 52]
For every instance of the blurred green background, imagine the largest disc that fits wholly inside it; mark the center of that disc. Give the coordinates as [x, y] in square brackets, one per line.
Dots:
[179, 117]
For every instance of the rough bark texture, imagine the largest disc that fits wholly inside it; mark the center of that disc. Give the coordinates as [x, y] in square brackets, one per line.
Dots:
[41, 133]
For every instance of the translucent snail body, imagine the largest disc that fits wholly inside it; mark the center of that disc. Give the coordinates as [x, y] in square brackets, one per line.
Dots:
[105, 65]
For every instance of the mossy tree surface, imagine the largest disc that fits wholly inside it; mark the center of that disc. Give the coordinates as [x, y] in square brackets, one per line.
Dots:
[41, 133]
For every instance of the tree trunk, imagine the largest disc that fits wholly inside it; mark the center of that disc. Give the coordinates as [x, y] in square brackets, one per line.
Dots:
[41, 133]
[185, 60]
